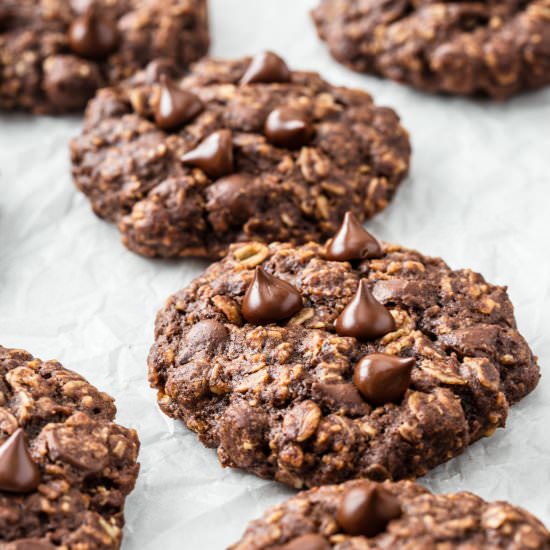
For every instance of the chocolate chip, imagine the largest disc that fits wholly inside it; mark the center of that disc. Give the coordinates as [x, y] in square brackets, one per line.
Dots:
[270, 299]
[352, 242]
[266, 67]
[162, 66]
[364, 318]
[383, 378]
[366, 509]
[18, 472]
[232, 194]
[175, 106]
[207, 334]
[214, 155]
[311, 541]
[289, 128]
[93, 35]
[65, 445]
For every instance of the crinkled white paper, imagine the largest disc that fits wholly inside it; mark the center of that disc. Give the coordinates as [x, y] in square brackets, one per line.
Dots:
[478, 195]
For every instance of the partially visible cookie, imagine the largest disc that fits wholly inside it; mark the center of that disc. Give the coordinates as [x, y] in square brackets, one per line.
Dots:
[54, 54]
[313, 365]
[362, 515]
[495, 48]
[236, 151]
[65, 467]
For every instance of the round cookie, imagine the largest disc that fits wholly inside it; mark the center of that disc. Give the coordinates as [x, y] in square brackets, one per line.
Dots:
[492, 48]
[385, 368]
[361, 515]
[65, 467]
[236, 151]
[56, 54]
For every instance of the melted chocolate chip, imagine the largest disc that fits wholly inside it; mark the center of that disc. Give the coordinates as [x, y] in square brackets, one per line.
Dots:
[364, 318]
[232, 193]
[289, 128]
[366, 509]
[92, 35]
[383, 378]
[207, 335]
[214, 155]
[270, 299]
[175, 106]
[352, 242]
[18, 472]
[266, 67]
[307, 542]
[65, 446]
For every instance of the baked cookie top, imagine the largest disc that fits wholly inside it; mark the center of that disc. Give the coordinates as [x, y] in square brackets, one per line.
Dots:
[236, 151]
[312, 370]
[495, 48]
[56, 53]
[65, 467]
[362, 515]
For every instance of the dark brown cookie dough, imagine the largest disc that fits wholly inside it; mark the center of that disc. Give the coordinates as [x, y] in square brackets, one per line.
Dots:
[342, 152]
[427, 522]
[296, 402]
[54, 54]
[84, 464]
[495, 48]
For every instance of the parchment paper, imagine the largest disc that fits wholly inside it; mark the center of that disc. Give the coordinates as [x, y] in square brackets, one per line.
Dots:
[478, 196]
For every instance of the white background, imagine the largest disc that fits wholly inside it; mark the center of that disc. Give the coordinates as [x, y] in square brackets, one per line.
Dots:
[478, 196]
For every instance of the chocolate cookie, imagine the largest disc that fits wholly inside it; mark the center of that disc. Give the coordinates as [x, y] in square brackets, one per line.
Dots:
[361, 515]
[54, 54]
[314, 364]
[236, 151]
[65, 467]
[495, 48]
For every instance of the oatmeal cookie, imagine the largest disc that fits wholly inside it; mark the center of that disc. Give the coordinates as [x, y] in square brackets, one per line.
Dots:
[65, 467]
[236, 151]
[316, 364]
[363, 515]
[493, 48]
[54, 54]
